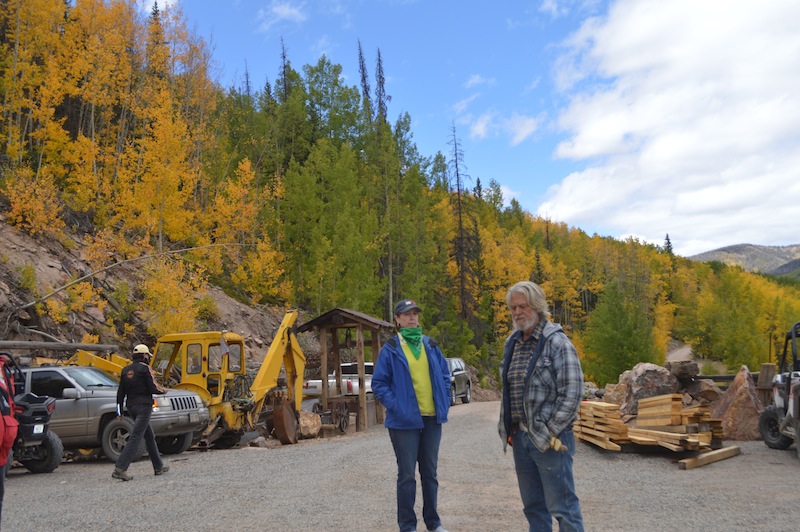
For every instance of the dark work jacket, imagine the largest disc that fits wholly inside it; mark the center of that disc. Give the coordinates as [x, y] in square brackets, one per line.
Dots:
[136, 382]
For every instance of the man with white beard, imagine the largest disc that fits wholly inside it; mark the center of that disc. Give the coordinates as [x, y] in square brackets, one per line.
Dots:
[542, 389]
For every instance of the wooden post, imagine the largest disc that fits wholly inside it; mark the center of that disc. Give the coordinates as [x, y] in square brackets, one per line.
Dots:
[337, 362]
[764, 384]
[323, 363]
[375, 339]
[362, 384]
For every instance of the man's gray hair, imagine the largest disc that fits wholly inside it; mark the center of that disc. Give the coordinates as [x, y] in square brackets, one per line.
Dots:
[534, 295]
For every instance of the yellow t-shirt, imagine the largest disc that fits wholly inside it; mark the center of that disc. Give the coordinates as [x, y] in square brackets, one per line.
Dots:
[420, 377]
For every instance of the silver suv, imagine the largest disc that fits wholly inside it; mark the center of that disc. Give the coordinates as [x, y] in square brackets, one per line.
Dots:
[460, 381]
[86, 411]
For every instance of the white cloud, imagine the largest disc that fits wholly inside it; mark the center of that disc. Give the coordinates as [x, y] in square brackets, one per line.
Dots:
[281, 11]
[520, 127]
[477, 79]
[482, 127]
[508, 195]
[460, 106]
[688, 116]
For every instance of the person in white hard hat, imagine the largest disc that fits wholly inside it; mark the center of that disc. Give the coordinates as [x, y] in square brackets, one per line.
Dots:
[138, 385]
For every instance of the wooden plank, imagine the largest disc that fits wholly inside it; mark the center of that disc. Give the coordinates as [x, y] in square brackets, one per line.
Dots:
[638, 440]
[601, 434]
[655, 422]
[667, 398]
[600, 404]
[671, 446]
[588, 412]
[658, 435]
[691, 428]
[709, 457]
[605, 444]
[765, 376]
[657, 410]
[666, 415]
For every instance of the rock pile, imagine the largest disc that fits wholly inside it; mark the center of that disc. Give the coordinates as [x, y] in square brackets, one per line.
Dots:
[738, 407]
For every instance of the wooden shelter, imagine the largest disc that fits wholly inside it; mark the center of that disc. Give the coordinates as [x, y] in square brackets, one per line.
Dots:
[328, 325]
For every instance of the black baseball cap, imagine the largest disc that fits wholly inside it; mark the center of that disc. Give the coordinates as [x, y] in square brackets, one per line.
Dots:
[406, 305]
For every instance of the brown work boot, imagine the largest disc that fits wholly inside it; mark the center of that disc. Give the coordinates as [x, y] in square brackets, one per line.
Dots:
[161, 470]
[121, 474]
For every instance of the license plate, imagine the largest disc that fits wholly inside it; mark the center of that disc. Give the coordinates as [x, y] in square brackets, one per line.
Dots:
[194, 418]
[38, 429]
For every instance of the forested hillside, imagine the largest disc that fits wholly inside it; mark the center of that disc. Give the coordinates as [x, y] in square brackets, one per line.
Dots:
[306, 192]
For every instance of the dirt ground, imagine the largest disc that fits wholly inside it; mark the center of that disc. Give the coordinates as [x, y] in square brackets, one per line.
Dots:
[348, 483]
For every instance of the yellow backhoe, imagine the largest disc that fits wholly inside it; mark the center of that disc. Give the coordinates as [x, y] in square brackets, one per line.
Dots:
[213, 365]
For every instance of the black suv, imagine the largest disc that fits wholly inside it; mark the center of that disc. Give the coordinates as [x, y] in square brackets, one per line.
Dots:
[460, 382]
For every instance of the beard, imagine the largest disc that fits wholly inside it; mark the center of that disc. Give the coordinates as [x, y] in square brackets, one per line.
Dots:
[522, 324]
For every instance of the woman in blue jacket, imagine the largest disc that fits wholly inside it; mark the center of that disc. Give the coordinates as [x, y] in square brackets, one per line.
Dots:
[412, 382]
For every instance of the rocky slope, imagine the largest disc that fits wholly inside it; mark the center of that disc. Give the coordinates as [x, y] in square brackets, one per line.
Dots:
[47, 265]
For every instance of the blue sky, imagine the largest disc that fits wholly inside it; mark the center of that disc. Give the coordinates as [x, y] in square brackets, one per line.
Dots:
[622, 118]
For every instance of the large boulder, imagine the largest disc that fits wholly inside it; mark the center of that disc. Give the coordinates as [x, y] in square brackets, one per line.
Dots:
[310, 425]
[647, 380]
[739, 408]
[615, 393]
[684, 370]
[704, 391]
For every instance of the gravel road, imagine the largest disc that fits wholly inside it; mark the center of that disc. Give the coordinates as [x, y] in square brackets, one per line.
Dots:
[347, 483]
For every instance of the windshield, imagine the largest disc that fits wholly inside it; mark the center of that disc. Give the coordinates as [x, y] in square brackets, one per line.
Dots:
[164, 355]
[92, 377]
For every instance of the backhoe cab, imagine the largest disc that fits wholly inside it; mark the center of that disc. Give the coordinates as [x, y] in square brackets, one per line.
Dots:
[779, 423]
[213, 365]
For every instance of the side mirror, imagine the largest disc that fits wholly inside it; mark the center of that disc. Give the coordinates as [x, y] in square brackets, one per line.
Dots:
[69, 393]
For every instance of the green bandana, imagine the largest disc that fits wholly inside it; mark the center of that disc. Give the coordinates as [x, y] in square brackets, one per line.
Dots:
[413, 337]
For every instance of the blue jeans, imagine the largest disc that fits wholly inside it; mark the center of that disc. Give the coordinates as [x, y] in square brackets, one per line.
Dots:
[141, 429]
[546, 484]
[412, 447]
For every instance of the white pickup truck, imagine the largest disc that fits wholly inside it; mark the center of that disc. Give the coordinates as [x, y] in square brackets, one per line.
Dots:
[313, 388]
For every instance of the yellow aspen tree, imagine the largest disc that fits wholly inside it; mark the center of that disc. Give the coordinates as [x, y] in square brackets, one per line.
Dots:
[171, 292]
[33, 202]
[31, 39]
[98, 58]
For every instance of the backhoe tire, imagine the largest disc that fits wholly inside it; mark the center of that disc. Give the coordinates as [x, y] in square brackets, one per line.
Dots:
[115, 436]
[47, 456]
[769, 425]
[175, 444]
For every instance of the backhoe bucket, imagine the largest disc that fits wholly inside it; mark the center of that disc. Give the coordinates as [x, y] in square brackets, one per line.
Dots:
[285, 420]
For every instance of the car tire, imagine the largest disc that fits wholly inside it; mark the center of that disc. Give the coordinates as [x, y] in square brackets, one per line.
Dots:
[468, 395]
[452, 395]
[769, 425]
[175, 444]
[115, 436]
[48, 455]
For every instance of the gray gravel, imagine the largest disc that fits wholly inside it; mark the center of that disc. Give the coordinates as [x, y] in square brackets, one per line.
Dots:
[347, 483]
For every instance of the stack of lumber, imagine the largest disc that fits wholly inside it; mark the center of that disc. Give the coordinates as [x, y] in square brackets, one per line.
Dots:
[701, 417]
[674, 441]
[601, 424]
[662, 421]
[661, 410]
